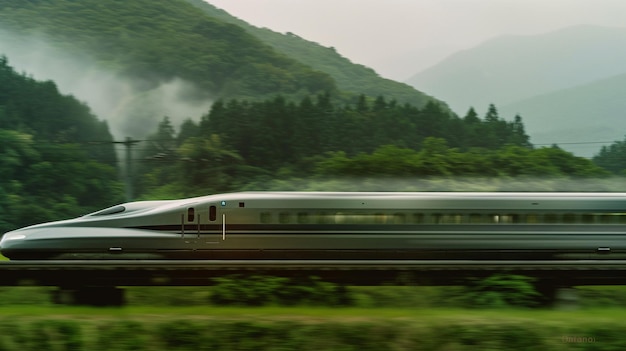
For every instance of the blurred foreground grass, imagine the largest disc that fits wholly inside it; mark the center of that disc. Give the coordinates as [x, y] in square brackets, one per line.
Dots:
[317, 314]
[308, 328]
[365, 297]
[384, 318]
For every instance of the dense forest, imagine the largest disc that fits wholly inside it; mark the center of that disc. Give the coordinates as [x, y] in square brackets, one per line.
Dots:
[56, 158]
[349, 77]
[155, 41]
[613, 157]
[152, 42]
[269, 144]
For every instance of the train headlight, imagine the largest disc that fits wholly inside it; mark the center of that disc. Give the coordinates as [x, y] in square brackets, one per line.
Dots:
[10, 236]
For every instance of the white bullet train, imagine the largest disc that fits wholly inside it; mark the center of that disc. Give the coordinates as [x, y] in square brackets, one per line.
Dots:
[332, 225]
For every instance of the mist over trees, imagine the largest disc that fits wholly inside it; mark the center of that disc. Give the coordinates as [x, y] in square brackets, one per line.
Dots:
[351, 78]
[136, 61]
[50, 167]
[249, 145]
[156, 41]
[57, 159]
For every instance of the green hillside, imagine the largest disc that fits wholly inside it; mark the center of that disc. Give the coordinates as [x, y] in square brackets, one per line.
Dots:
[154, 41]
[582, 118]
[50, 167]
[350, 77]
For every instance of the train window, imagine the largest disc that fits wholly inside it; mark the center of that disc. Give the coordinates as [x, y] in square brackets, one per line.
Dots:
[532, 218]
[266, 217]
[110, 211]
[380, 218]
[435, 218]
[621, 218]
[284, 217]
[551, 218]
[503, 218]
[353, 218]
[399, 218]
[605, 218]
[324, 218]
[418, 218]
[475, 218]
[303, 217]
[569, 218]
[191, 214]
[340, 218]
[587, 218]
[509, 218]
[452, 218]
[212, 213]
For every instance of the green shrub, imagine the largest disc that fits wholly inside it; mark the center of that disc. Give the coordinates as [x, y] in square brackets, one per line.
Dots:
[184, 335]
[122, 336]
[25, 295]
[502, 290]
[48, 334]
[458, 332]
[268, 290]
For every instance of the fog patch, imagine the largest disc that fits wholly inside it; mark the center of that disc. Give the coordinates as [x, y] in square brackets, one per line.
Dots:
[439, 184]
[131, 107]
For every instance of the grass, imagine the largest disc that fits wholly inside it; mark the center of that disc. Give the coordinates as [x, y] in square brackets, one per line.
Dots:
[307, 328]
[316, 313]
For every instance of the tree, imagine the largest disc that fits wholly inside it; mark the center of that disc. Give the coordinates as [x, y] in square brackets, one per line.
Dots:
[158, 158]
[503, 290]
[56, 159]
[434, 157]
[518, 133]
[206, 163]
[612, 157]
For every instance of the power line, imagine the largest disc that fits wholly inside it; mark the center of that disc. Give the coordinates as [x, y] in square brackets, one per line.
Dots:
[580, 143]
[103, 142]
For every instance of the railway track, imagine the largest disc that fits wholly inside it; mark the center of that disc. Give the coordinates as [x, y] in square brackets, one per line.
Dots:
[356, 272]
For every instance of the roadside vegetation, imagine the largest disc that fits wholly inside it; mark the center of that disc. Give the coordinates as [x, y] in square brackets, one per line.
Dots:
[381, 318]
[266, 330]
[499, 291]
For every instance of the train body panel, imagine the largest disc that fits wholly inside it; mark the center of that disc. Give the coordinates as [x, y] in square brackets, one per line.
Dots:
[339, 225]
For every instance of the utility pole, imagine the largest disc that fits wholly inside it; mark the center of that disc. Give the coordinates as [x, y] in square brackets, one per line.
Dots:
[128, 174]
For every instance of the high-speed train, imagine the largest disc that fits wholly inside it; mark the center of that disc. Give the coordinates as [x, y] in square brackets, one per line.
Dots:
[332, 225]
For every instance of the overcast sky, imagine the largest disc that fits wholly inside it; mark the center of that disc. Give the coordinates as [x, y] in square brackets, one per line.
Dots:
[398, 38]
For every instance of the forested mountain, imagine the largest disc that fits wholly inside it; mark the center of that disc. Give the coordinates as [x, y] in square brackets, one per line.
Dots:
[349, 76]
[274, 144]
[581, 118]
[613, 157]
[512, 68]
[38, 109]
[171, 55]
[156, 41]
[50, 167]
[568, 84]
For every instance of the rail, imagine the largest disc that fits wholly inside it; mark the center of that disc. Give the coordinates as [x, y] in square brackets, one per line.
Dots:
[356, 272]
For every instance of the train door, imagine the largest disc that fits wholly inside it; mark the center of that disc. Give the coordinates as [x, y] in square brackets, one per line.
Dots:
[190, 227]
[202, 228]
[202, 225]
[216, 226]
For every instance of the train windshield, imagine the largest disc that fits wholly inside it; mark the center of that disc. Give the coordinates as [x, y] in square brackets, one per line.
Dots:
[110, 211]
